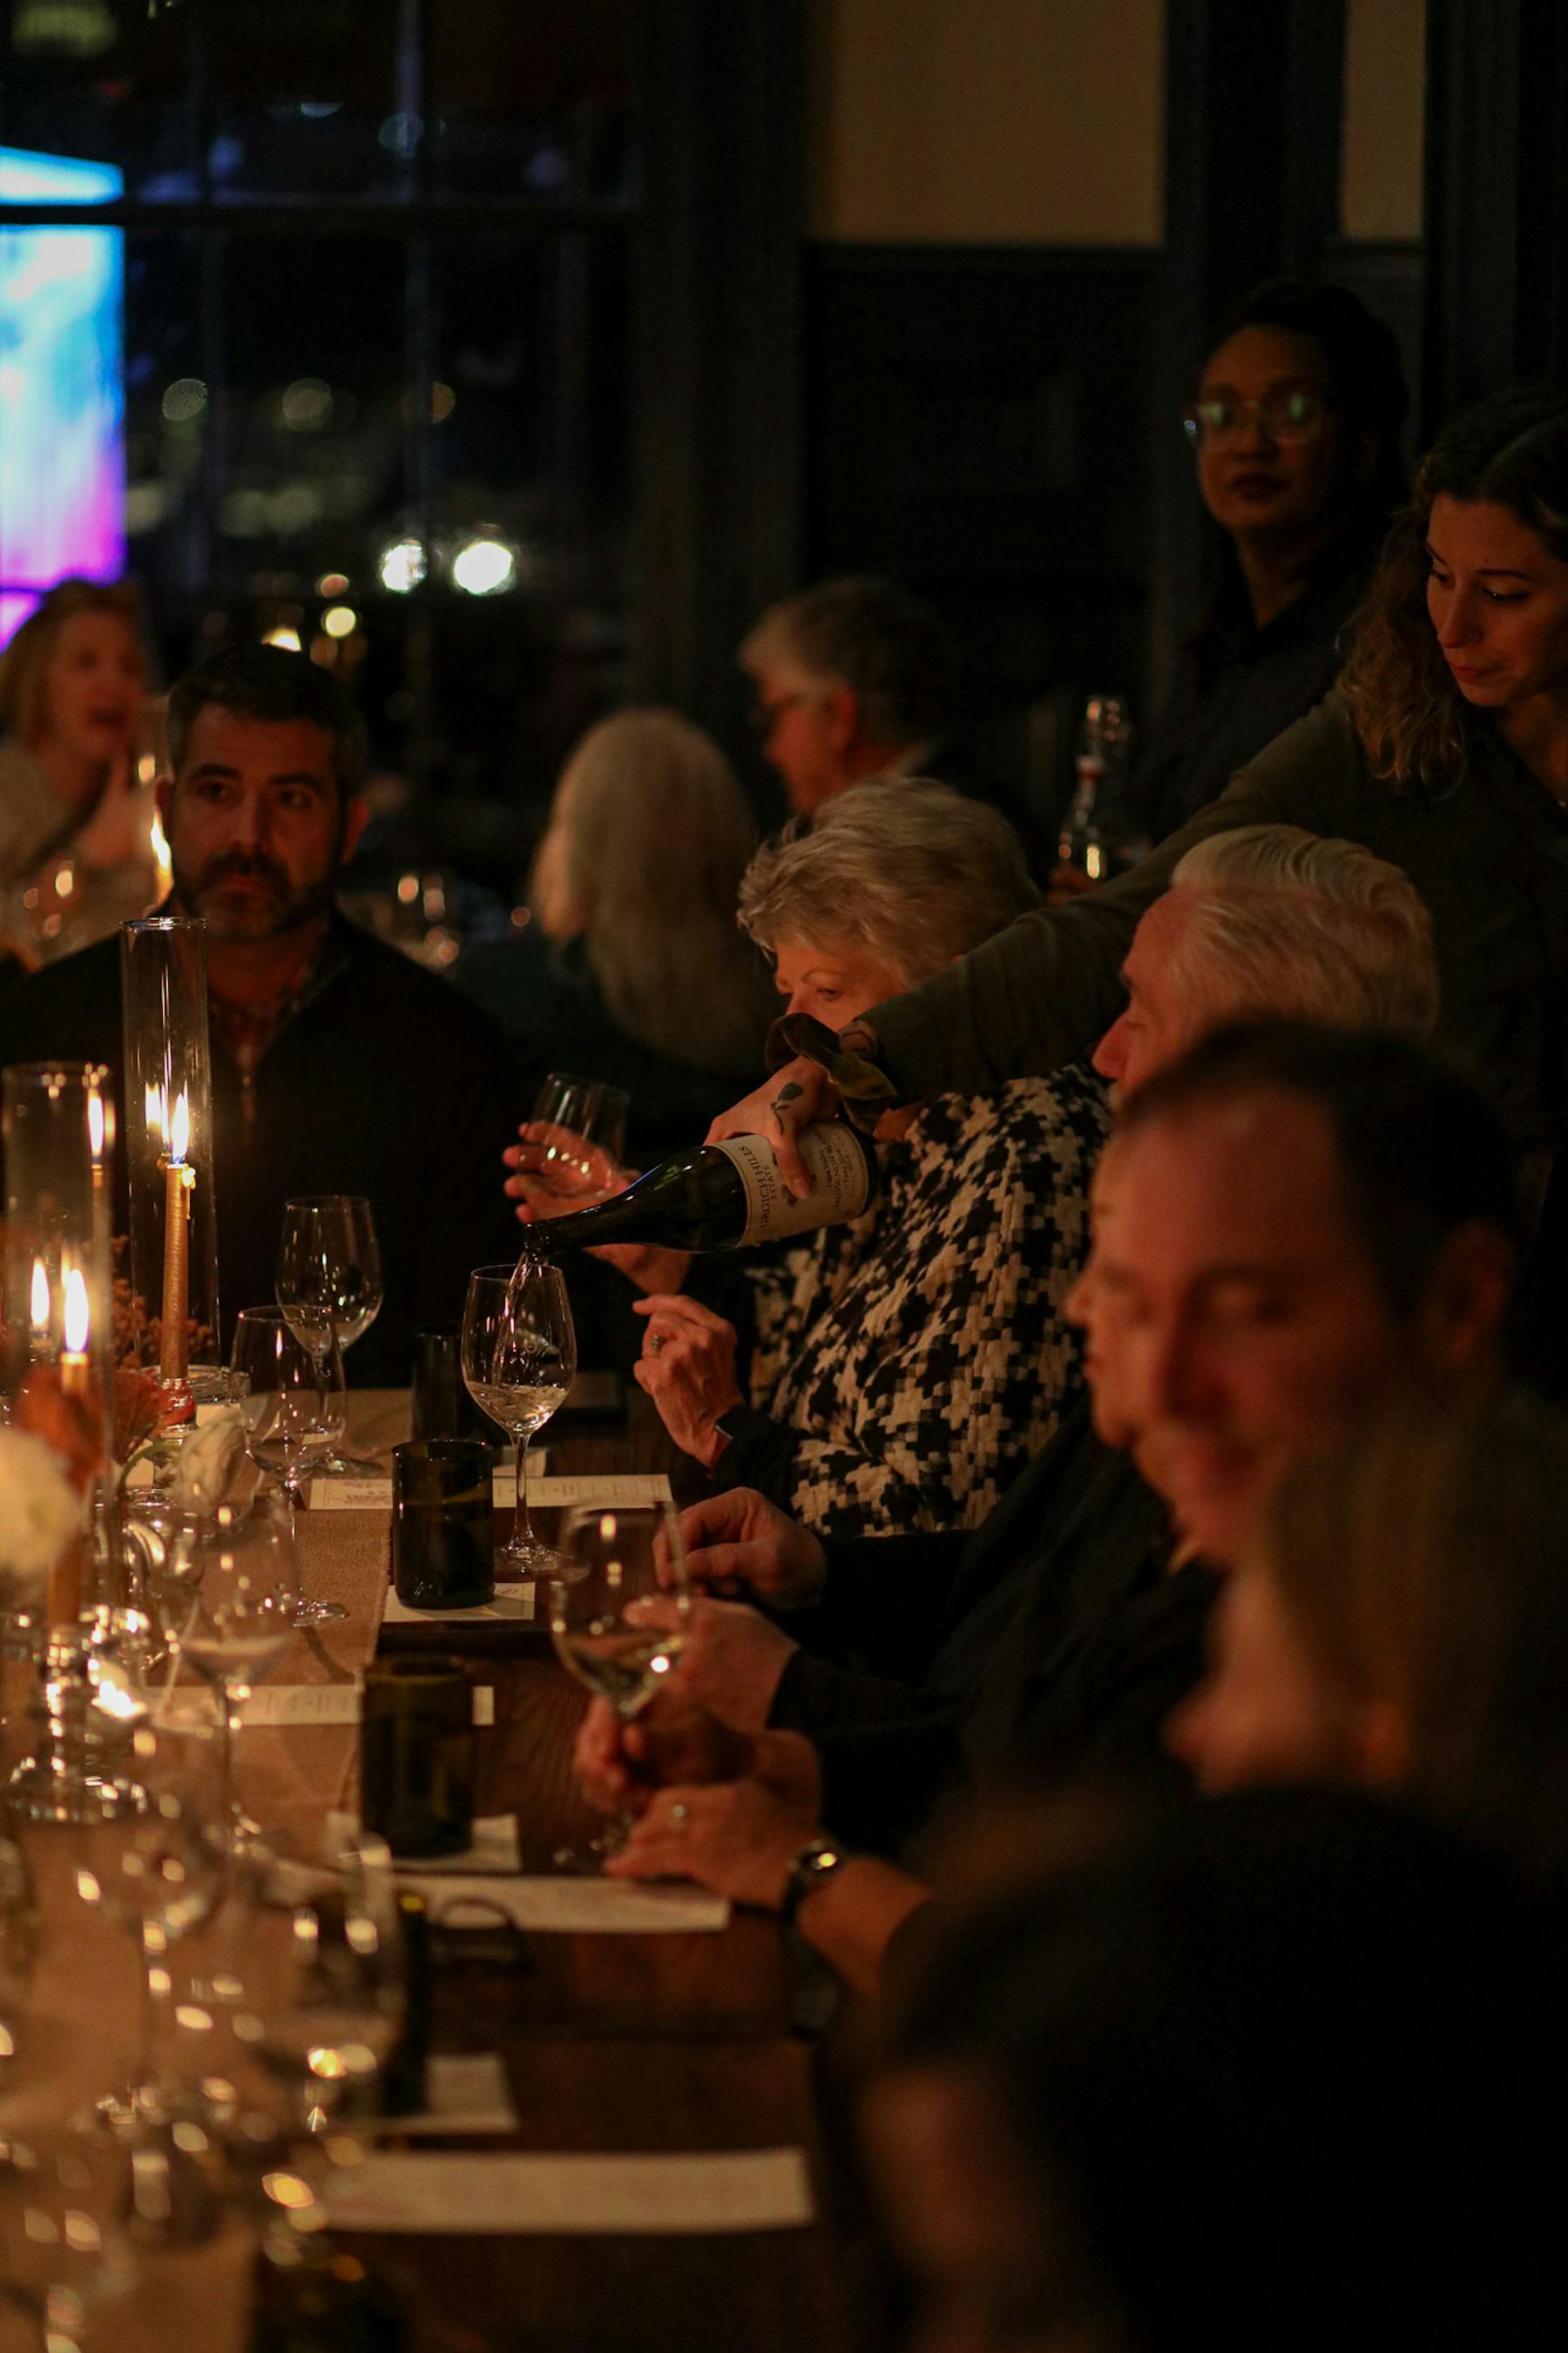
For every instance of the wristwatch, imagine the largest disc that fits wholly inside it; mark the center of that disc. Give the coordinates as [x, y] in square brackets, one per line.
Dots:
[731, 1423]
[816, 1866]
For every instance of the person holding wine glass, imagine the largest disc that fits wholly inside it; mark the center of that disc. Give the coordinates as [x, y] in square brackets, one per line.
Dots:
[329, 1282]
[519, 1356]
[904, 1366]
[616, 1564]
[292, 1403]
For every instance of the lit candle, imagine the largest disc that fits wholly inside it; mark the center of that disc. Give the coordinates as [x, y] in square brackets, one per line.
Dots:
[174, 1356]
[76, 1368]
[40, 1309]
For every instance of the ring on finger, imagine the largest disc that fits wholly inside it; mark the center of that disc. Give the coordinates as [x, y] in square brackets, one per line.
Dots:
[654, 1343]
[679, 1816]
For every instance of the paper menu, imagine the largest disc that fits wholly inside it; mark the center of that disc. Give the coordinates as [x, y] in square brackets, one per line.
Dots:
[570, 1907]
[676, 2193]
[513, 1604]
[376, 1494]
[273, 1706]
[609, 1488]
[465, 2091]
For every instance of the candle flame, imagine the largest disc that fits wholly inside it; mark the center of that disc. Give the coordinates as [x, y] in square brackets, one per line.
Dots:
[180, 1129]
[95, 1125]
[39, 1304]
[75, 1316]
[157, 1124]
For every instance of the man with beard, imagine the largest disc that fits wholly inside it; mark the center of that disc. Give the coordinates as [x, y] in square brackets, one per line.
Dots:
[339, 1066]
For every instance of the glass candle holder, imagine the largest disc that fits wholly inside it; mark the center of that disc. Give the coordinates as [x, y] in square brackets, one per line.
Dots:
[168, 1148]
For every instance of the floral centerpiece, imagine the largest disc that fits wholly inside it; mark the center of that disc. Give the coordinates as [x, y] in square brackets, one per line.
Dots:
[41, 1516]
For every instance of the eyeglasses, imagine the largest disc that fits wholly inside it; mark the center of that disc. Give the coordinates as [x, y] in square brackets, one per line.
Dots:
[765, 716]
[1283, 415]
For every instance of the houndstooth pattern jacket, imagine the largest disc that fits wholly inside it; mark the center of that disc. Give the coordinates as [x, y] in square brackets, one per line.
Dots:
[905, 1367]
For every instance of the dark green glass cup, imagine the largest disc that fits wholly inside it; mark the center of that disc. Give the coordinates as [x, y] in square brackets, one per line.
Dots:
[416, 1755]
[443, 1526]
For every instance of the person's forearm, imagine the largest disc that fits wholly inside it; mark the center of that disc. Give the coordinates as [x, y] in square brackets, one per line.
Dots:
[852, 1921]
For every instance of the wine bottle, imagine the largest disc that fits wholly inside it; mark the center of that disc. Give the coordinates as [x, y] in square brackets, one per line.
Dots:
[726, 1196]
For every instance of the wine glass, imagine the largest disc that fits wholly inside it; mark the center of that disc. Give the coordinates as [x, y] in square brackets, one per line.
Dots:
[63, 2252]
[323, 1998]
[520, 1354]
[240, 1585]
[157, 1872]
[580, 1114]
[292, 1403]
[614, 1561]
[328, 1278]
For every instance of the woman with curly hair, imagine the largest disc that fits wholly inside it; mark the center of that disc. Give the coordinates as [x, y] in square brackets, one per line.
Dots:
[1444, 749]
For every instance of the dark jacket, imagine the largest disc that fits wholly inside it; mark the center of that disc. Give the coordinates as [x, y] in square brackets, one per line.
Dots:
[1237, 686]
[1487, 849]
[1054, 1640]
[384, 1081]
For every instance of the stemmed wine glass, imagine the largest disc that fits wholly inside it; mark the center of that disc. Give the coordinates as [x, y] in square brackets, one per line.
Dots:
[292, 1403]
[242, 1595]
[585, 1120]
[156, 1871]
[328, 1279]
[520, 1354]
[613, 1562]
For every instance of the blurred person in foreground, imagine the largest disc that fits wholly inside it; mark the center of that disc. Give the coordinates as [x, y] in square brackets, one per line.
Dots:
[1294, 424]
[75, 817]
[339, 1066]
[630, 969]
[1401, 1620]
[1292, 1224]
[1443, 748]
[901, 1367]
[1276, 2074]
[854, 679]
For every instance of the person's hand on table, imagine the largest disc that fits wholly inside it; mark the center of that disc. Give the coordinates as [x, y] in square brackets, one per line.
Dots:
[555, 1171]
[737, 1837]
[619, 1766]
[739, 1541]
[688, 1368]
[731, 1660]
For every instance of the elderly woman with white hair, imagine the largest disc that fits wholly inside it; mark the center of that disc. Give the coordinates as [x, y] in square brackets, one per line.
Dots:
[904, 1366]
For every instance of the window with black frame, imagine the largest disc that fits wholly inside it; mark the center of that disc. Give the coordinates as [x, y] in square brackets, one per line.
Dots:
[368, 270]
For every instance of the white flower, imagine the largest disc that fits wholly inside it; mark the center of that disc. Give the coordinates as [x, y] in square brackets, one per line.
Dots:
[40, 1512]
[207, 1460]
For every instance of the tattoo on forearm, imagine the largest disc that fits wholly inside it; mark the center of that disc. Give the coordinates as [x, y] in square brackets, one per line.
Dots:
[788, 1095]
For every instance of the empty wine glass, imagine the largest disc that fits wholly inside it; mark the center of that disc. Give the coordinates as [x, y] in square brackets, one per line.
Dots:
[328, 1279]
[63, 2252]
[619, 1568]
[520, 1354]
[241, 1596]
[292, 1403]
[157, 1872]
[585, 1141]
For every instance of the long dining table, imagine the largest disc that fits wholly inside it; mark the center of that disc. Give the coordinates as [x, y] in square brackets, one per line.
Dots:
[666, 2047]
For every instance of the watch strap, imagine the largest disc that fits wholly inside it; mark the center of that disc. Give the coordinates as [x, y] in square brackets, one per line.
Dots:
[816, 1866]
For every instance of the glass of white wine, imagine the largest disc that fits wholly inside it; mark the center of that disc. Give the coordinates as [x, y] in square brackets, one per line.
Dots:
[520, 1354]
[613, 1561]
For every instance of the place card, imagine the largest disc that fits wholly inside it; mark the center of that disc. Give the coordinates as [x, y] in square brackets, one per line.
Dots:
[464, 2092]
[376, 1494]
[611, 1490]
[273, 1705]
[492, 1848]
[513, 1604]
[683, 2193]
[570, 1907]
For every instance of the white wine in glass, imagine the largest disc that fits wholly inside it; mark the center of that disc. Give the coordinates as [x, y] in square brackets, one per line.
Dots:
[613, 1561]
[519, 1355]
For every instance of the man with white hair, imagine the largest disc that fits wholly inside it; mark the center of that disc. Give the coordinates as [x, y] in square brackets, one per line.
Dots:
[853, 678]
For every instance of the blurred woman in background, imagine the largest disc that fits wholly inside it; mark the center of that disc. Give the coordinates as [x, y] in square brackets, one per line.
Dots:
[76, 818]
[1294, 424]
[631, 970]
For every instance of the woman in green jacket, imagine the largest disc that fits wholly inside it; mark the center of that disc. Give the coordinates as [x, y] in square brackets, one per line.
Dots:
[1445, 749]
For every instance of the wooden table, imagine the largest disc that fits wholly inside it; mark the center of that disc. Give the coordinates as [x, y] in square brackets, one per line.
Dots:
[616, 2043]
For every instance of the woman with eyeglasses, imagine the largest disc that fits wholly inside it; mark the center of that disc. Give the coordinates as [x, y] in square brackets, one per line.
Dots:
[1294, 425]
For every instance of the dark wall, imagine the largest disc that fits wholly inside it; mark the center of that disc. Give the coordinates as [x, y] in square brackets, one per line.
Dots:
[977, 422]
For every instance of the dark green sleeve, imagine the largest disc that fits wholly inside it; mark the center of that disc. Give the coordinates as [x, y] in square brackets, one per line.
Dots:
[1042, 993]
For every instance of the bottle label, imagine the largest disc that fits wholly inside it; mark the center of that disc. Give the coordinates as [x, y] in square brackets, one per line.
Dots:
[840, 1182]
